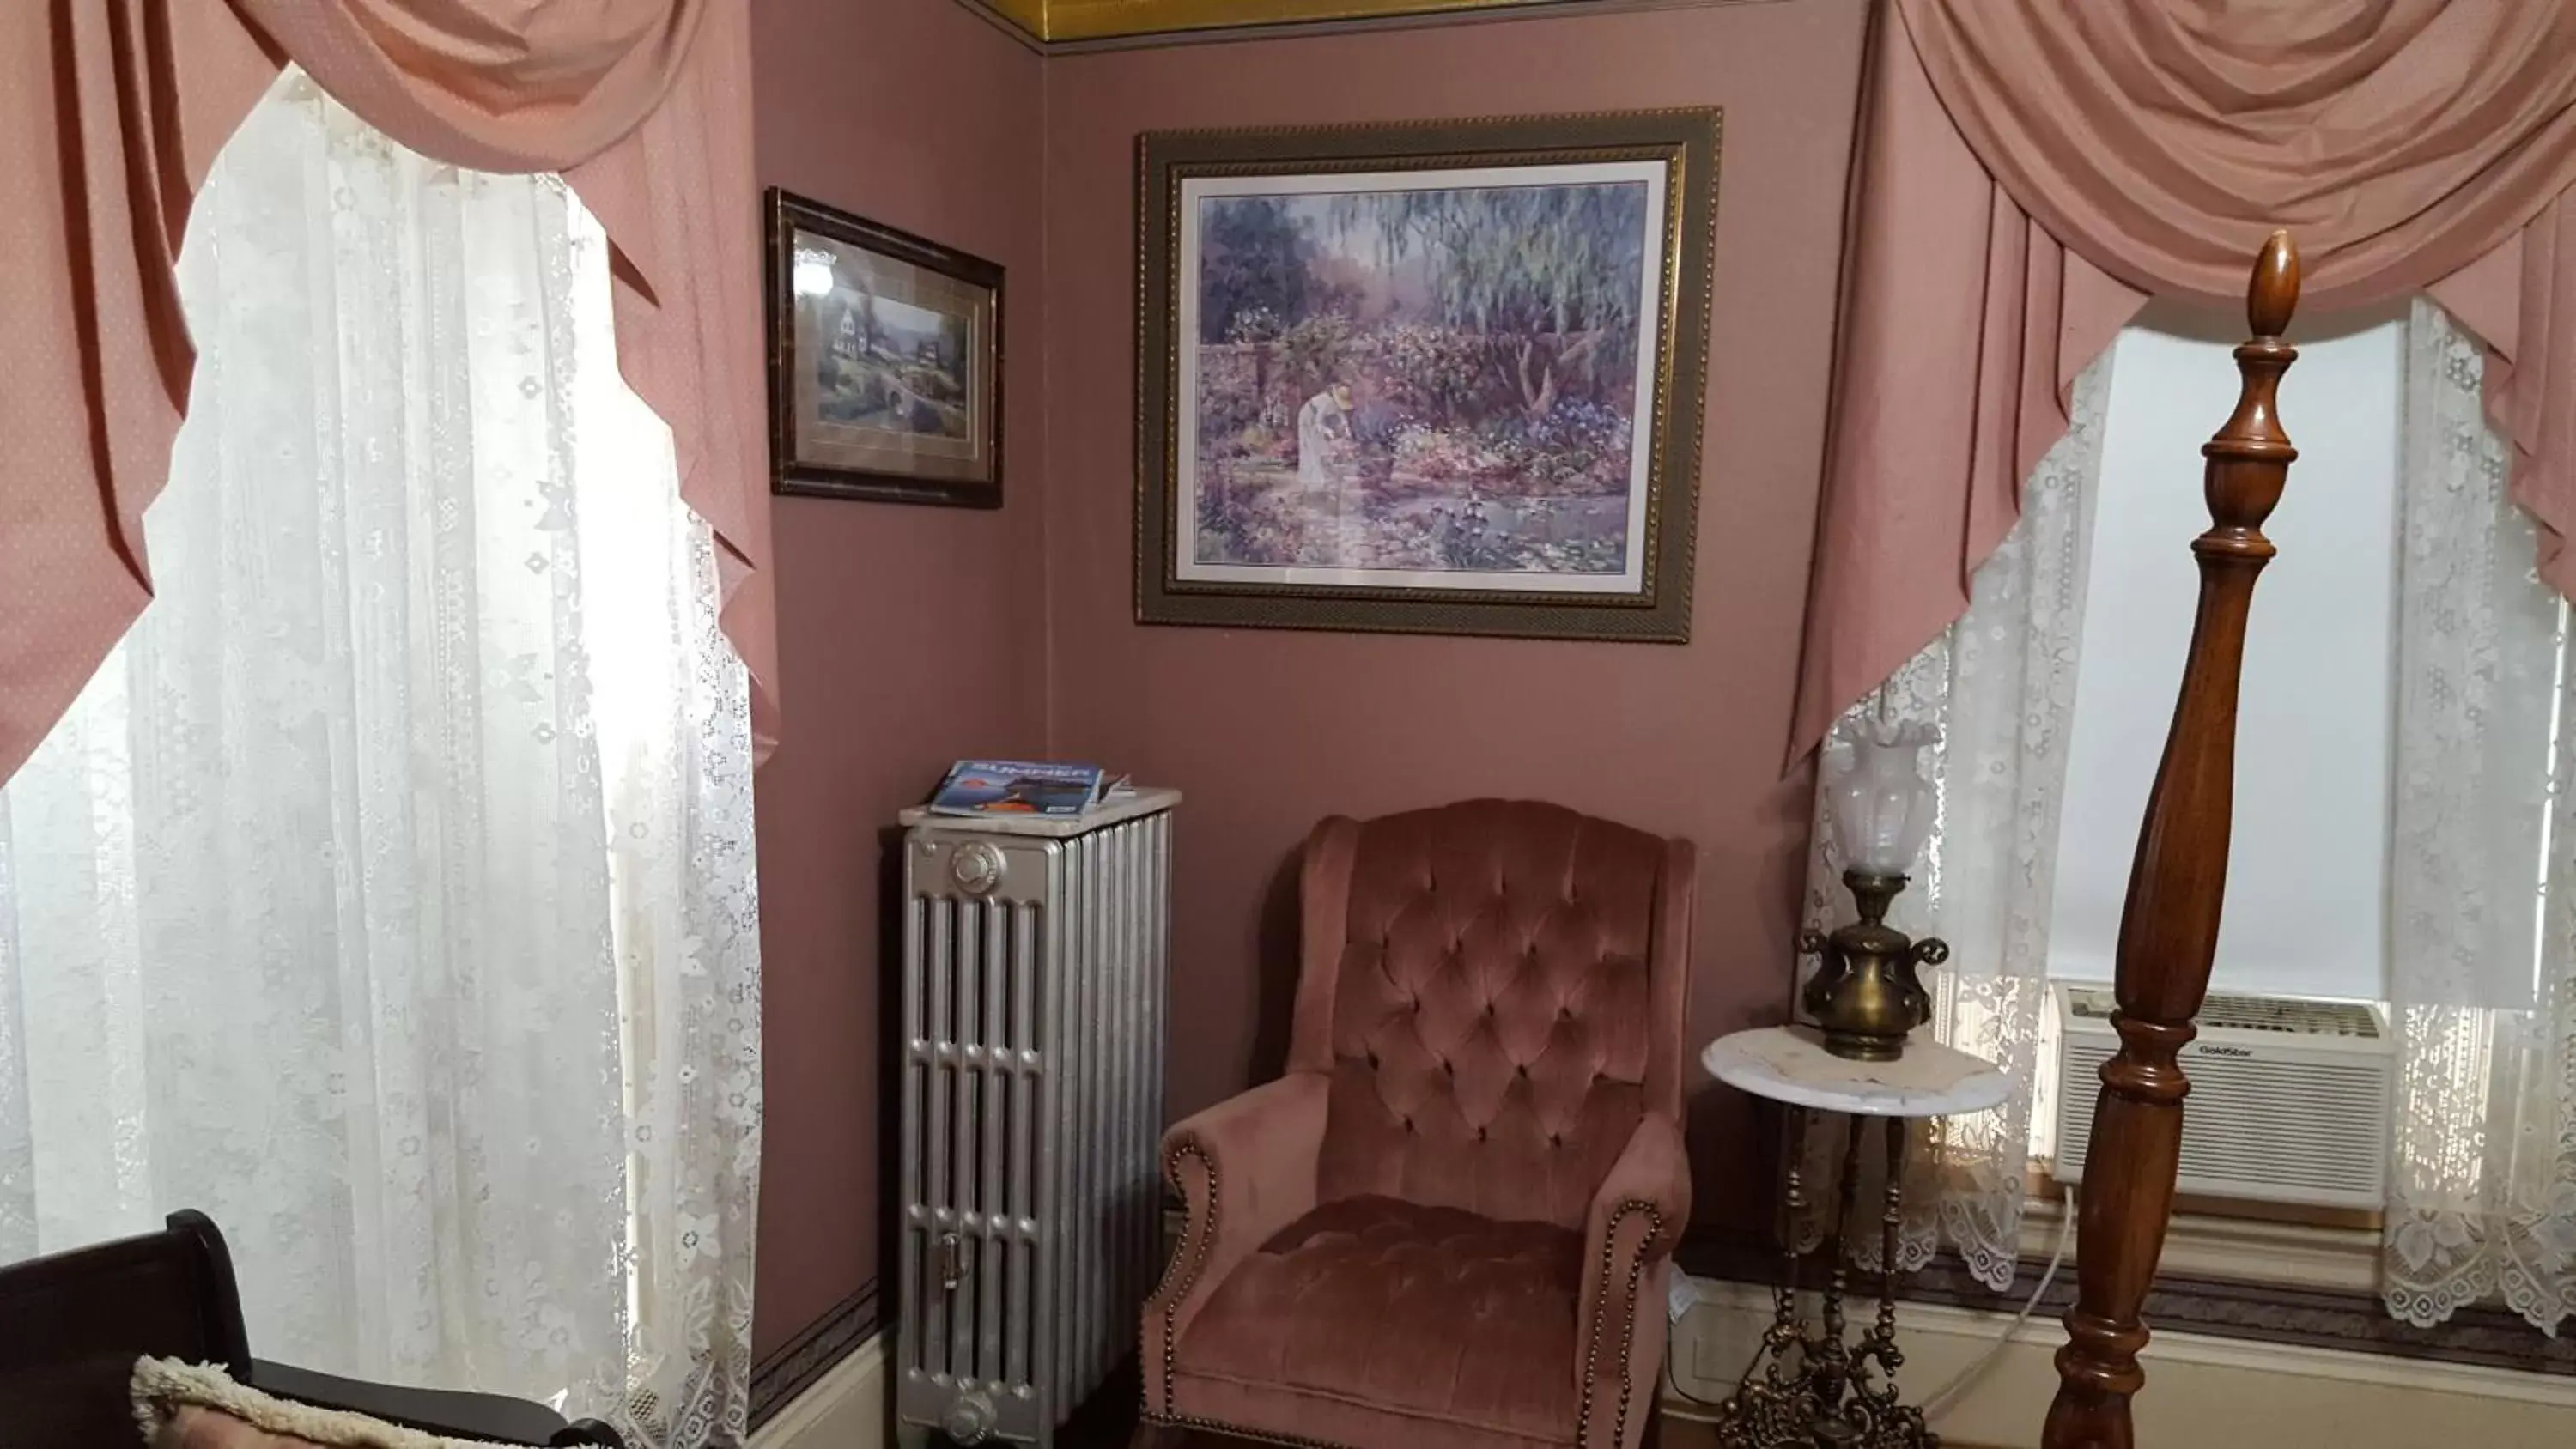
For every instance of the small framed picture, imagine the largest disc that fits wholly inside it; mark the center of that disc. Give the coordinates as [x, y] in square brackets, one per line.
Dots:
[1437, 377]
[885, 362]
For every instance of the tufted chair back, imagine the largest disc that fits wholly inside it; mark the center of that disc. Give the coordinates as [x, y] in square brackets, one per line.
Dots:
[1496, 990]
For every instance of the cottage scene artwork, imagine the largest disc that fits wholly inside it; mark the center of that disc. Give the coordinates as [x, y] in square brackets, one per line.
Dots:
[1426, 379]
[885, 362]
[888, 364]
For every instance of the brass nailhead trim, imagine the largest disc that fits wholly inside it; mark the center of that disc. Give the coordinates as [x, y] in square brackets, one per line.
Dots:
[1202, 1235]
[1628, 1321]
[1627, 1339]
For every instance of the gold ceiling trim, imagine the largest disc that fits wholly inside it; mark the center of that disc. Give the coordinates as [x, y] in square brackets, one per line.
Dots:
[1027, 16]
[1051, 21]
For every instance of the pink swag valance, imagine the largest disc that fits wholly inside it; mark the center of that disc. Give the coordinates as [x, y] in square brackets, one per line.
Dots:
[114, 112]
[2028, 174]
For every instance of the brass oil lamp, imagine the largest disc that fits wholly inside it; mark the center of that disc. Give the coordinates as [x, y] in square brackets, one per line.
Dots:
[1866, 994]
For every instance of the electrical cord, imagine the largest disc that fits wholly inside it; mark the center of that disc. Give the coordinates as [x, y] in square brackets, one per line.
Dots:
[1959, 1382]
[1673, 1377]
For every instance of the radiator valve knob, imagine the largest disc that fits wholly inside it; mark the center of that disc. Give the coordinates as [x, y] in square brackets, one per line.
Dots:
[977, 867]
[969, 1419]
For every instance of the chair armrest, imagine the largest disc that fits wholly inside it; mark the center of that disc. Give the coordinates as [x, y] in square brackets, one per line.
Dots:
[494, 1418]
[1635, 1220]
[1245, 1168]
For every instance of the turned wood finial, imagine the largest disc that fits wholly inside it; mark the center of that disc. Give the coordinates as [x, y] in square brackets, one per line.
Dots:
[2273, 294]
[2249, 453]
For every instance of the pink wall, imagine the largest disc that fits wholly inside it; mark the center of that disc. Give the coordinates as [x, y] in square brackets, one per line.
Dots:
[907, 636]
[912, 635]
[1266, 731]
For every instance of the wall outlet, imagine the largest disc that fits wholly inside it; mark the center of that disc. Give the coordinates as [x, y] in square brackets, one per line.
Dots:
[1708, 1361]
[1698, 1350]
[1715, 1336]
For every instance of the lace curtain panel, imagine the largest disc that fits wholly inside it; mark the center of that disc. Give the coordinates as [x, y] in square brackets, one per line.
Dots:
[2482, 1188]
[2001, 685]
[388, 895]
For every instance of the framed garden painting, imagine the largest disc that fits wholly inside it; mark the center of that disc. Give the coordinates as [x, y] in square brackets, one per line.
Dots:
[885, 362]
[1442, 377]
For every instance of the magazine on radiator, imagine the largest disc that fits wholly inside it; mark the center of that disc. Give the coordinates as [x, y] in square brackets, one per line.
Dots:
[1021, 787]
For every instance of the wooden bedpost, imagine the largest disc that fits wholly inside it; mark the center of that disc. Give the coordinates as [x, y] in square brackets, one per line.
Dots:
[2169, 926]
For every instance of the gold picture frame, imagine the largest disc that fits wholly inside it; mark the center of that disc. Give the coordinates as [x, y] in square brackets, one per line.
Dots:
[1435, 377]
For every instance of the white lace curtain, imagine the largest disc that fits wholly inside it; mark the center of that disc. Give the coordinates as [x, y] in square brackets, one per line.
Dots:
[388, 895]
[2001, 685]
[2482, 876]
[2482, 1189]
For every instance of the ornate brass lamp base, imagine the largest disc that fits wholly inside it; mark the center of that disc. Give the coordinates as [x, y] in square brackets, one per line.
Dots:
[1865, 994]
[1834, 1393]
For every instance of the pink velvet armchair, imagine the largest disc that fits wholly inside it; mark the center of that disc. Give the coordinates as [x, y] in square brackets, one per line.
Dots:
[1449, 1224]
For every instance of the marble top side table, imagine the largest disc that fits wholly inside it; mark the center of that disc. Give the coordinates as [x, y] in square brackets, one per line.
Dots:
[1837, 1392]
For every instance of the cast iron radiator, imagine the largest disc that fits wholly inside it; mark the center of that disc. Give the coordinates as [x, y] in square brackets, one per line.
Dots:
[1032, 1058]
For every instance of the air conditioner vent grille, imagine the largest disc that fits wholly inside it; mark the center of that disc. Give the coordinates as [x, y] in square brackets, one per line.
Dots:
[2232, 1012]
[2292, 1115]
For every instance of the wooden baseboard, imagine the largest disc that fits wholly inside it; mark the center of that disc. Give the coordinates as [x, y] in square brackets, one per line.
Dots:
[845, 1408]
[2262, 1282]
[2201, 1389]
[790, 1369]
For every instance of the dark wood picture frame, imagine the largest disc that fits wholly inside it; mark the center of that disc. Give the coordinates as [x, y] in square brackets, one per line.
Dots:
[1685, 141]
[793, 468]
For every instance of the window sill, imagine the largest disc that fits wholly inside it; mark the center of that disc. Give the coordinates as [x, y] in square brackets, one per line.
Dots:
[2235, 1249]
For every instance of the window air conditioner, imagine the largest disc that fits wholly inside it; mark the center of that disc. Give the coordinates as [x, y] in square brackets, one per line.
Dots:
[2289, 1098]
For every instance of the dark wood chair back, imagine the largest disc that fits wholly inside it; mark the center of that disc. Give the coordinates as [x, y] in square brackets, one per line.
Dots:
[73, 1323]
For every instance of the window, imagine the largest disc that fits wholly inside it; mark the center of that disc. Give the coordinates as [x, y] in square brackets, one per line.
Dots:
[2307, 891]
